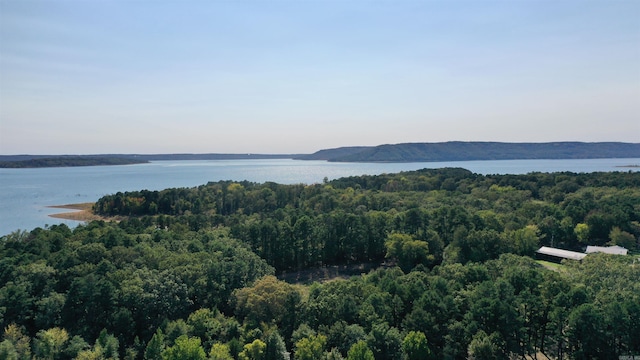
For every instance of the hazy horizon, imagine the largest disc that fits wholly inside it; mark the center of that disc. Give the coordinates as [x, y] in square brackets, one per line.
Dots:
[249, 153]
[289, 77]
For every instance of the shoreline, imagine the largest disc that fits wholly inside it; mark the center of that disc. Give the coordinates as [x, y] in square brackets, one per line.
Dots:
[82, 212]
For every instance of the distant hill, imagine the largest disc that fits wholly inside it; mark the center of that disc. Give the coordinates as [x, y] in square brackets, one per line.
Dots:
[407, 152]
[462, 151]
[337, 153]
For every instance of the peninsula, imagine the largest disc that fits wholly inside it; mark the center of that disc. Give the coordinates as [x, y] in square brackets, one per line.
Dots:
[37, 161]
[69, 161]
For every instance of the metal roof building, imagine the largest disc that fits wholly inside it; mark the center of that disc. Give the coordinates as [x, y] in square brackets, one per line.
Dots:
[557, 255]
[615, 250]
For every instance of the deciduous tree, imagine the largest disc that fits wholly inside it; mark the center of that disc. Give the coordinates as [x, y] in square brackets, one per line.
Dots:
[415, 346]
[185, 348]
[360, 351]
[310, 348]
[253, 351]
[220, 352]
[49, 343]
[408, 251]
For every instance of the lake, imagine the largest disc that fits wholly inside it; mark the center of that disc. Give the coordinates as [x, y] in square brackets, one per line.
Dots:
[25, 194]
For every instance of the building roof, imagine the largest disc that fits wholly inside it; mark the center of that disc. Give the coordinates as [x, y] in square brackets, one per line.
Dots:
[565, 254]
[615, 250]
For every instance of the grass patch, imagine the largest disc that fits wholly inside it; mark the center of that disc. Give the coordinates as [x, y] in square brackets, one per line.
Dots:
[550, 265]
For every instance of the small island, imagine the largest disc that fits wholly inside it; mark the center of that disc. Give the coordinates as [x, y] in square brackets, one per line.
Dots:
[67, 161]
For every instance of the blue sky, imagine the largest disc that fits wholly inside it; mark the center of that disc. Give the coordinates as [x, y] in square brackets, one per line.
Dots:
[159, 76]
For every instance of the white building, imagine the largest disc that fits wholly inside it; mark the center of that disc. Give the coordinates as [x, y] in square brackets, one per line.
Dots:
[615, 250]
[557, 255]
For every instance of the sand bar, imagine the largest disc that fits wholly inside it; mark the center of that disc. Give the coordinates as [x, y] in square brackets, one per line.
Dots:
[83, 212]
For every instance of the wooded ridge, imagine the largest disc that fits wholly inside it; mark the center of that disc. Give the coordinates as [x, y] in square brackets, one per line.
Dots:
[462, 151]
[407, 152]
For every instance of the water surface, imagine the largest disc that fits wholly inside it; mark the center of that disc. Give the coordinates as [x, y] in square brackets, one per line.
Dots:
[25, 194]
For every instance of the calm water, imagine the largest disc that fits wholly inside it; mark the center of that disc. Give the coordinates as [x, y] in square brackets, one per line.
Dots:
[26, 193]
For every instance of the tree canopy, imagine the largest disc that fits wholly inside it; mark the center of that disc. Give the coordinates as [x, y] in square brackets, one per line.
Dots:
[200, 272]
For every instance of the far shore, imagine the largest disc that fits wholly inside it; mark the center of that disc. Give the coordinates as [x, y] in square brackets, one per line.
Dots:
[83, 212]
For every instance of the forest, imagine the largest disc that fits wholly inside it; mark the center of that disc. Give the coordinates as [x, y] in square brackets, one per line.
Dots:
[217, 271]
[65, 161]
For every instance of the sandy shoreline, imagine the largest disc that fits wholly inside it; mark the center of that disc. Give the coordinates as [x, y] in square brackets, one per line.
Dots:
[83, 212]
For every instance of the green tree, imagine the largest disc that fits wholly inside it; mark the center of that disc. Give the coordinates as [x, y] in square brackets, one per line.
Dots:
[343, 336]
[220, 352]
[253, 351]
[109, 344]
[203, 323]
[275, 346]
[334, 354]
[303, 331]
[15, 302]
[176, 329]
[492, 309]
[49, 311]
[310, 348]
[484, 347]
[622, 238]
[91, 354]
[89, 305]
[185, 348]
[8, 351]
[526, 240]
[49, 343]
[75, 345]
[155, 346]
[407, 251]
[415, 346]
[265, 301]
[360, 351]
[582, 232]
[18, 342]
[586, 333]
[105, 348]
[385, 341]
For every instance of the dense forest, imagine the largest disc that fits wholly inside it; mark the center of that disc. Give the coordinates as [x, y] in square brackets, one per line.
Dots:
[199, 273]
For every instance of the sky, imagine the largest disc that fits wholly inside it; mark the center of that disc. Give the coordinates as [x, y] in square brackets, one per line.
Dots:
[298, 76]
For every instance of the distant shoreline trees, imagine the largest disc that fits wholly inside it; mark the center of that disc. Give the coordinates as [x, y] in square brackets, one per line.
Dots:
[68, 161]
